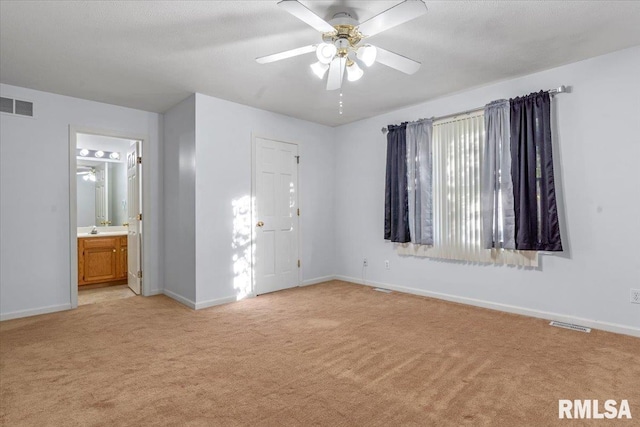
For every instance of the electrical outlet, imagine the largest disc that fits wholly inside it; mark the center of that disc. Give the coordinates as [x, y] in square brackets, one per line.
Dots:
[387, 265]
[635, 296]
[365, 263]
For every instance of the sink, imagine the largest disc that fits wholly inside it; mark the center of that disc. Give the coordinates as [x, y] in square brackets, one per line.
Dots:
[104, 233]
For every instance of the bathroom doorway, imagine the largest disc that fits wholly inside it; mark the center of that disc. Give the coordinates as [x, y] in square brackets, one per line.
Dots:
[105, 216]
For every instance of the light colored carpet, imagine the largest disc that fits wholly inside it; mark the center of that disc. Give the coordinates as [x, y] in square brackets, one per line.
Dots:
[102, 294]
[333, 354]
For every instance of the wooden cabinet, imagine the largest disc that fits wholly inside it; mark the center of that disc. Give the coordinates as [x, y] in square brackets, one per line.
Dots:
[102, 259]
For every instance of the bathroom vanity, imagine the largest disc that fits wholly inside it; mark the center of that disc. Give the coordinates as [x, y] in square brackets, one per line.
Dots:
[102, 257]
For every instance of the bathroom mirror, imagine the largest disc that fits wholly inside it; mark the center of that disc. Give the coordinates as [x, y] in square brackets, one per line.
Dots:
[101, 177]
[102, 193]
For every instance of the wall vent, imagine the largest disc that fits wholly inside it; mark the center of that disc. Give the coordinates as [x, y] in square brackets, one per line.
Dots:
[6, 105]
[570, 326]
[16, 107]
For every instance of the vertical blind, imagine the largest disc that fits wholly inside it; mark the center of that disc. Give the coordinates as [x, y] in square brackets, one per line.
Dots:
[458, 144]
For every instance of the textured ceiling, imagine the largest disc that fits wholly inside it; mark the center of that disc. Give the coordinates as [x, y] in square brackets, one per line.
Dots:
[151, 55]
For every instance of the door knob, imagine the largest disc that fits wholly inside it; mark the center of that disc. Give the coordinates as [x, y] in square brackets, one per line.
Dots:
[260, 224]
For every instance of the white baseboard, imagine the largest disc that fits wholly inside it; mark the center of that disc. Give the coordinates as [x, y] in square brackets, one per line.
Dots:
[153, 292]
[214, 302]
[317, 280]
[595, 324]
[34, 311]
[180, 299]
[198, 305]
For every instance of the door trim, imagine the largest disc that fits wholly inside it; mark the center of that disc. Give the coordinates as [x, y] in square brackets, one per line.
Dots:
[73, 204]
[255, 136]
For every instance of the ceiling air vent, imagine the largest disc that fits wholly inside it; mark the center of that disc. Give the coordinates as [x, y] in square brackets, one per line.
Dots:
[16, 107]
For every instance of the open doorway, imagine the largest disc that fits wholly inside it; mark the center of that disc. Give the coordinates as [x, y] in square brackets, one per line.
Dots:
[106, 216]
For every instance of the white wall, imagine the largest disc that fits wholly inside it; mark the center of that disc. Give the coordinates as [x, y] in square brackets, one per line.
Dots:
[223, 150]
[179, 201]
[34, 210]
[597, 153]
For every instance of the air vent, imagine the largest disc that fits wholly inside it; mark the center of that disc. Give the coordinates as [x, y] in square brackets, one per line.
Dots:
[16, 107]
[6, 105]
[570, 326]
[24, 108]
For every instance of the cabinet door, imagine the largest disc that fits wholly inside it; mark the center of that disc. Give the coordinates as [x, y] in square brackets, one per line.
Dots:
[100, 259]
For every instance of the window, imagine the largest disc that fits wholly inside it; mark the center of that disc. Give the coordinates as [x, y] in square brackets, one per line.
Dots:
[458, 145]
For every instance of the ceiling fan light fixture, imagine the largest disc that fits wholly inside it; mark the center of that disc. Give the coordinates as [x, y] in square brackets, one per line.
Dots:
[354, 72]
[325, 52]
[367, 54]
[319, 69]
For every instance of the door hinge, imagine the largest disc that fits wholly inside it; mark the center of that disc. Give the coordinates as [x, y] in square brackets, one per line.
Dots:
[139, 217]
[297, 159]
[298, 211]
[139, 160]
[139, 274]
[298, 263]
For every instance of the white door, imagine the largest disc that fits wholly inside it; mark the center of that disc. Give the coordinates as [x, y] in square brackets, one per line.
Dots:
[275, 215]
[134, 218]
[101, 195]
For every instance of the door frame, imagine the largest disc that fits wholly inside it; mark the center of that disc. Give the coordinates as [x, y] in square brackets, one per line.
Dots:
[255, 136]
[73, 203]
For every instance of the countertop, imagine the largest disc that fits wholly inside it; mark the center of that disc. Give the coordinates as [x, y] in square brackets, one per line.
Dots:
[102, 234]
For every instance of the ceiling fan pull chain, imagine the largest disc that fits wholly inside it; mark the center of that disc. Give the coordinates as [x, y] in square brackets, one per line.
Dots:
[340, 104]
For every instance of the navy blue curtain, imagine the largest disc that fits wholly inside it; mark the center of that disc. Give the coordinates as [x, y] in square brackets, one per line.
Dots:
[536, 213]
[396, 196]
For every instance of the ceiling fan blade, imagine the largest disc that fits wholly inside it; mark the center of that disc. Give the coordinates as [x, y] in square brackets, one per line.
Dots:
[286, 54]
[301, 12]
[399, 62]
[398, 14]
[336, 73]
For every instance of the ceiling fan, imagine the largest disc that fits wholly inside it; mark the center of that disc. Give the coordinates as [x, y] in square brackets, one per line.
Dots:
[88, 173]
[342, 44]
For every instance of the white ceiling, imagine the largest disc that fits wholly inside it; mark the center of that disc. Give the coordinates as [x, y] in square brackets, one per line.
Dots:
[151, 55]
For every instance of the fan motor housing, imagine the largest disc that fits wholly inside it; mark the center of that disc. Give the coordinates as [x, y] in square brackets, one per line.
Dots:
[346, 29]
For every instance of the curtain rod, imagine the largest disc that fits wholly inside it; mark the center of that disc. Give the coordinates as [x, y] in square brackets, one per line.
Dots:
[560, 89]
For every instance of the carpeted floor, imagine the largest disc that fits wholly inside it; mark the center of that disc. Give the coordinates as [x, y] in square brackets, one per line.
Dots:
[333, 354]
[104, 293]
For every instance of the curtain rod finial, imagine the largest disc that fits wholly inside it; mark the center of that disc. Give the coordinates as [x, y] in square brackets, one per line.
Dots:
[384, 130]
[560, 89]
